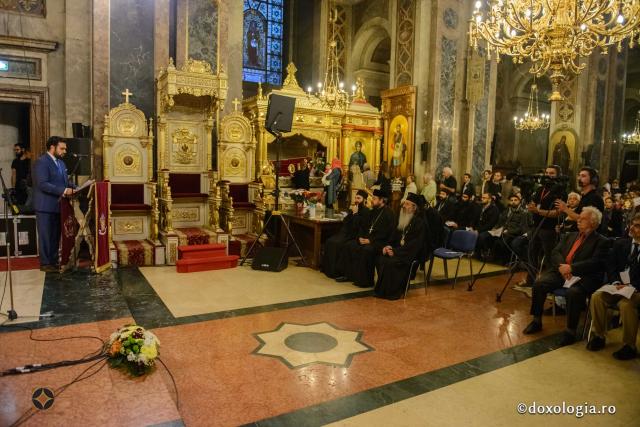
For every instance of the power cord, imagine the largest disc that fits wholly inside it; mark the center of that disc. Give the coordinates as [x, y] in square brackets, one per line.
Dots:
[57, 392]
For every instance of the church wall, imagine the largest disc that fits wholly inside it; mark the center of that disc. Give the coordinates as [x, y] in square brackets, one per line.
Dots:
[65, 70]
[131, 53]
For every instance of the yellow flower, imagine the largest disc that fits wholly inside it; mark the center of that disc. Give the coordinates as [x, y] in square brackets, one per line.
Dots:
[150, 351]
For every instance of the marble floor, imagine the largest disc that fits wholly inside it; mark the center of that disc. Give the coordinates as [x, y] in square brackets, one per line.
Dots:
[294, 348]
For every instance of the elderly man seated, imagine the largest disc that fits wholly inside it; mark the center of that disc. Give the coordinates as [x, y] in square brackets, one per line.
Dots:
[577, 262]
[624, 274]
[405, 246]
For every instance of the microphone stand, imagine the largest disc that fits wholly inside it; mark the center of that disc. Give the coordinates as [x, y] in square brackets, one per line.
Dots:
[11, 313]
[276, 213]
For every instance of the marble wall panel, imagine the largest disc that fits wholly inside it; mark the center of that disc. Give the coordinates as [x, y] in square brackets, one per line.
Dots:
[480, 123]
[131, 53]
[203, 31]
[598, 126]
[446, 103]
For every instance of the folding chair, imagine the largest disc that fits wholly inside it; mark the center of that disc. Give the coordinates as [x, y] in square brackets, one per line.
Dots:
[462, 243]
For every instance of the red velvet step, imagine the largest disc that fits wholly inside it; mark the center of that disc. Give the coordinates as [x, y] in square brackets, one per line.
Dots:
[192, 265]
[211, 250]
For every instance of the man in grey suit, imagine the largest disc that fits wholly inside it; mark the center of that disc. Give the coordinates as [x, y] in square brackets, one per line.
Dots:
[51, 184]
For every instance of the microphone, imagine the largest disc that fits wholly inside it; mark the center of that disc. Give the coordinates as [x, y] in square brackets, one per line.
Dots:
[77, 156]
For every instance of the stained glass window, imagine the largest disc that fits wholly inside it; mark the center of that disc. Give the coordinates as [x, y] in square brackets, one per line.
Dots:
[262, 40]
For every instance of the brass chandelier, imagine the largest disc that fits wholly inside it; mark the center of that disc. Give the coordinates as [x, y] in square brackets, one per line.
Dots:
[553, 34]
[532, 120]
[633, 137]
[331, 93]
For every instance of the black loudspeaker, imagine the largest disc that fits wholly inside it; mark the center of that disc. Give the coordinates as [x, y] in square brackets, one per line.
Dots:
[77, 130]
[280, 113]
[271, 259]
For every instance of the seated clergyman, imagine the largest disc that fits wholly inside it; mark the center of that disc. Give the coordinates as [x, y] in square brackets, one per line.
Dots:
[358, 257]
[624, 274]
[404, 248]
[577, 262]
[349, 231]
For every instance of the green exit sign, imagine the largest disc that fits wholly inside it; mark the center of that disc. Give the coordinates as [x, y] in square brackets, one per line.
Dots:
[4, 65]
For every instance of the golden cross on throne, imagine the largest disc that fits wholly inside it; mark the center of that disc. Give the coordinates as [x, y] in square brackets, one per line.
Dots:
[236, 103]
[127, 94]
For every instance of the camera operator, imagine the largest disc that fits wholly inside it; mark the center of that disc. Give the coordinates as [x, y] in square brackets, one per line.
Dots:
[544, 236]
[588, 181]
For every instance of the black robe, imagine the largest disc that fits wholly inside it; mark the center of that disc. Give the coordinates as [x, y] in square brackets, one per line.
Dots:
[333, 246]
[467, 215]
[358, 262]
[393, 271]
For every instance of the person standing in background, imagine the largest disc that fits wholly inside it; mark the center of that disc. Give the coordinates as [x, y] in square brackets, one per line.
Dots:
[21, 174]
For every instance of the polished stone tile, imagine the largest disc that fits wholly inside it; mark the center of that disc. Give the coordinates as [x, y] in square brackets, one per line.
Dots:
[28, 287]
[570, 374]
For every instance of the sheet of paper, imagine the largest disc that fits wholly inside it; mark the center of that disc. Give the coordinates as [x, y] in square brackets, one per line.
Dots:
[496, 232]
[87, 184]
[626, 291]
[569, 283]
[624, 277]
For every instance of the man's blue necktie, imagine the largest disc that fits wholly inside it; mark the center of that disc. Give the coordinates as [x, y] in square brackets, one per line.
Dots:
[61, 169]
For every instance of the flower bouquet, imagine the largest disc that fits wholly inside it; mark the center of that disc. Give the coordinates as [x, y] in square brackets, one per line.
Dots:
[134, 348]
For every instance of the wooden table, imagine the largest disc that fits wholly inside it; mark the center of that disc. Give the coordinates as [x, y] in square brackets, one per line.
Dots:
[310, 234]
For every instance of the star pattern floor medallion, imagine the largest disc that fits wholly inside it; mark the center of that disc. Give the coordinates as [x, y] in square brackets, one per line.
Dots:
[302, 345]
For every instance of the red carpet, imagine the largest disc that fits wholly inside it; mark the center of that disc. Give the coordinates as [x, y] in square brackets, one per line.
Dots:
[135, 252]
[207, 257]
[28, 263]
[195, 236]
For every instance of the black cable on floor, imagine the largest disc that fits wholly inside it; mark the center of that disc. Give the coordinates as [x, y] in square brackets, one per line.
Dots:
[100, 353]
[32, 411]
[175, 386]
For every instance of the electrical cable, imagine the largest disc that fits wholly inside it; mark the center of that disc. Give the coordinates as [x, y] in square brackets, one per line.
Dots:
[175, 386]
[57, 392]
[100, 353]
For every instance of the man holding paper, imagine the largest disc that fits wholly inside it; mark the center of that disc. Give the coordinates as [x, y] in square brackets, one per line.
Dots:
[577, 262]
[51, 185]
[622, 291]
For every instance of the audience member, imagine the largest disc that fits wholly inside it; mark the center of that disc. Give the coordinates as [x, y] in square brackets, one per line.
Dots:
[429, 189]
[623, 272]
[612, 219]
[404, 247]
[577, 264]
[467, 213]
[384, 180]
[448, 182]
[467, 185]
[358, 257]
[410, 187]
[368, 176]
[446, 206]
[511, 224]
[351, 225]
[489, 215]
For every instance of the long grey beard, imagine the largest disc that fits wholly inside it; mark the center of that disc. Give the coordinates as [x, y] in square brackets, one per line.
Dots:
[404, 219]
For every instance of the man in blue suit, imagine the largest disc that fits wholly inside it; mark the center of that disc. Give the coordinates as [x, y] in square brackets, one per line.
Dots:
[51, 184]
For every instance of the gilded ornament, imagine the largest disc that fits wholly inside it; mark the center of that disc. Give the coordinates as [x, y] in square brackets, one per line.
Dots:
[185, 146]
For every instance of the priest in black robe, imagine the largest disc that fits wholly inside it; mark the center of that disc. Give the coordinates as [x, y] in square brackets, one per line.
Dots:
[405, 247]
[348, 232]
[358, 257]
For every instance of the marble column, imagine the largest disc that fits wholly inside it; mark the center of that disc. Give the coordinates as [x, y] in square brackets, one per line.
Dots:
[99, 78]
[77, 64]
[444, 100]
[161, 35]
[231, 45]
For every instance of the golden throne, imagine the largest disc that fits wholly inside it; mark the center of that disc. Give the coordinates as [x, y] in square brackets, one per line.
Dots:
[127, 144]
[188, 100]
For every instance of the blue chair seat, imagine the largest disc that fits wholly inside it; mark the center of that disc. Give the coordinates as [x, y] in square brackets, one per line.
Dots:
[447, 253]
